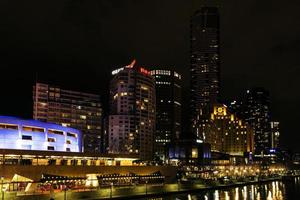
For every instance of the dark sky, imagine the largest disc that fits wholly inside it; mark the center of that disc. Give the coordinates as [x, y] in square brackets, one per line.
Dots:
[75, 43]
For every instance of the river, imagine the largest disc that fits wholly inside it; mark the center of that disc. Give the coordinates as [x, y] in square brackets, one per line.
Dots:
[276, 190]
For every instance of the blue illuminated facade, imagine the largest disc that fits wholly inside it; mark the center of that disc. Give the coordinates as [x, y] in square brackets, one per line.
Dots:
[16, 133]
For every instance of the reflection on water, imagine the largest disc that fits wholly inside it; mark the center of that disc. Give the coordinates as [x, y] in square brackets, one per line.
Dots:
[276, 190]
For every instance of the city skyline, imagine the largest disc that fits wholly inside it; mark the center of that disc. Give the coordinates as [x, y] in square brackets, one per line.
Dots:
[91, 78]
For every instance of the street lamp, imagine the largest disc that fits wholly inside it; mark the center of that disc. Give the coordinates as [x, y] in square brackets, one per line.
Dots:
[2, 189]
[65, 192]
[178, 184]
[111, 189]
[146, 187]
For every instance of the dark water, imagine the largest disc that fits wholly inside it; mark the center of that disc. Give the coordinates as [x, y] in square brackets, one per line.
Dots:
[276, 190]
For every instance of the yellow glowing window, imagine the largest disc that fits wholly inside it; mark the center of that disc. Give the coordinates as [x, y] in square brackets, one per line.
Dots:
[82, 117]
[57, 132]
[9, 126]
[194, 153]
[51, 139]
[33, 129]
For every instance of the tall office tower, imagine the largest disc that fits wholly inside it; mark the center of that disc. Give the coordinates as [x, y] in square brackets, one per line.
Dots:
[257, 113]
[275, 131]
[132, 112]
[229, 134]
[236, 107]
[168, 109]
[71, 109]
[205, 67]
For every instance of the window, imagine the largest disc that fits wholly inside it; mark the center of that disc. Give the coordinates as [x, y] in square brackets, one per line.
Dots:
[55, 132]
[33, 129]
[68, 142]
[72, 134]
[51, 139]
[9, 126]
[26, 137]
[68, 149]
[51, 148]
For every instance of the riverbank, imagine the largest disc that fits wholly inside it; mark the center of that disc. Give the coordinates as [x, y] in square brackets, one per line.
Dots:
[138, 192]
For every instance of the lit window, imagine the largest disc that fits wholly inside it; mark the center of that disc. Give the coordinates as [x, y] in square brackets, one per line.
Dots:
[9, 126]
[33, 129]
[51, 139]
[82, 117]
[57, 132]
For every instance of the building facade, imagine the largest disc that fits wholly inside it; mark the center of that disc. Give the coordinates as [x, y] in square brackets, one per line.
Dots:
[20, 134]
[205, 67]
[275, 131]
[131, 125]
[229, 134]
[168, 109]
[70, 109]
[257, 114]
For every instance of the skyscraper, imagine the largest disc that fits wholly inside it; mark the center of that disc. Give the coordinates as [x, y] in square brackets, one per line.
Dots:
[205, 67]
[257, 114]
[69, 108]
[275, 130]
[132, 112]
[168, 109]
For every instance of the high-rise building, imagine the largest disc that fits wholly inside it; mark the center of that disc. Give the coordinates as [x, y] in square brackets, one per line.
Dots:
[205, 67]
[168, 109]
[131, 125]
[69, 108]
[275, 131]
[229, 134]
[257, 114]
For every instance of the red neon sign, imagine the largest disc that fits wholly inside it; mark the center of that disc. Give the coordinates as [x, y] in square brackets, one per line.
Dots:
[144, 71]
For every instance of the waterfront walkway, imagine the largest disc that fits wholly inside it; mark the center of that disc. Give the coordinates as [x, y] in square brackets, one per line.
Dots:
[130, 192]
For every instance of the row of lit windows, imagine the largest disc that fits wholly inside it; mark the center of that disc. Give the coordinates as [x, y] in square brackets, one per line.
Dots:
[29, 137]
[162, 83]
[35, 129]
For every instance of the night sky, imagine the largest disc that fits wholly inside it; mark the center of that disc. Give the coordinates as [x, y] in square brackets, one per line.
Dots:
[76, 43]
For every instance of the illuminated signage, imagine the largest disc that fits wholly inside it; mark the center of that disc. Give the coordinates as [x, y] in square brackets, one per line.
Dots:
[144, 71]
[117, 71]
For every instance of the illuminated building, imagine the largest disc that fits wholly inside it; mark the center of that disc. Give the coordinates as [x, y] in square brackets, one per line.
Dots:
[70, 109]
[205, 67]
[131, 125]
[189, 152]
[275, 134]
[229, 134]
[31, 171]
[256, 111]
[16, 133]
[168, 109]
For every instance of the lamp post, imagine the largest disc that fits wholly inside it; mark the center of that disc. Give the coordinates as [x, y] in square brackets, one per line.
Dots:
[2, 189]
[111, 189]
[65, 191]
[178, 184]
[146, 187]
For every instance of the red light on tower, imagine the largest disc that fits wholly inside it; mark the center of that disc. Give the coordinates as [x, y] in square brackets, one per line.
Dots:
[144, 71]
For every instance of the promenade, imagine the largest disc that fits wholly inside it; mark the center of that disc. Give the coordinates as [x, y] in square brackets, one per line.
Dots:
[131, 192]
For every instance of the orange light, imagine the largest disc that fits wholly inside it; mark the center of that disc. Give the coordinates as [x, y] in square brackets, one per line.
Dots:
[131, 64]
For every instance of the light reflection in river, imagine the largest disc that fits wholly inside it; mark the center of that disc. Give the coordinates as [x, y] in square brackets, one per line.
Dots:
[276, 190]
